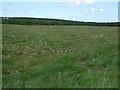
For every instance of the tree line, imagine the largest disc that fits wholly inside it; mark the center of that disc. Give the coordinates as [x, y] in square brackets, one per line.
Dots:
[46, 21]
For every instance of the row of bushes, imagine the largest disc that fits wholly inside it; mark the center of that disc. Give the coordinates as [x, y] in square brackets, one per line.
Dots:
[44, 21]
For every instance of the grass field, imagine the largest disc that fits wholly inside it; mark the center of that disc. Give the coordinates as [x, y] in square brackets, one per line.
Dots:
[60, 56]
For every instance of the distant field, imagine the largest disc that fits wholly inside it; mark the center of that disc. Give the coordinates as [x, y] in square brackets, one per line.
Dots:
[60, 56]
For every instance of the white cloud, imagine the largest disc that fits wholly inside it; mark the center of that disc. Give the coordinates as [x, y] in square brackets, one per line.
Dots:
[101, 10]
[77, 2]
[92, 9]
[89, 1]
[73, 3]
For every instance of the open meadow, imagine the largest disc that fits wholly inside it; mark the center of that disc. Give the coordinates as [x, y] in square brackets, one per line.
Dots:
[59, 56]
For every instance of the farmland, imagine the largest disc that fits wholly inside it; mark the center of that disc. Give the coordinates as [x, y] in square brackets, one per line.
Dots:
[42, 56]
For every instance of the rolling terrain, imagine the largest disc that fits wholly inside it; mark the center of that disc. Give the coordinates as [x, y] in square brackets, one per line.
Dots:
[43, 56]
[49, 21]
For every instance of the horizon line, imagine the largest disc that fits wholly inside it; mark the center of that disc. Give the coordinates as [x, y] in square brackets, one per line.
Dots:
[60, 19]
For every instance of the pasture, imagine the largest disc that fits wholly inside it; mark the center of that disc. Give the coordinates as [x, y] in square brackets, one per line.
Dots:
[59, 56]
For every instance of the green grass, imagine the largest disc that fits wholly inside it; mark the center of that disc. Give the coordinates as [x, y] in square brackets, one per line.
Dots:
[60, 56]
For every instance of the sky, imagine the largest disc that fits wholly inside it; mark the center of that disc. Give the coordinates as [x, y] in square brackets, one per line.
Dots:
[77, 11]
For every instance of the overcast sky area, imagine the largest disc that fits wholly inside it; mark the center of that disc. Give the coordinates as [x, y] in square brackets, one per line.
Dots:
[79, 11]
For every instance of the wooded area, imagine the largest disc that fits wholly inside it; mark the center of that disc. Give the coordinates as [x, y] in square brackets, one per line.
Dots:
[45, 21]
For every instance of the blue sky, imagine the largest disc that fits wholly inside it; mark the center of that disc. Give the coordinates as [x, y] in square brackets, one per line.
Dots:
[95, 12]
